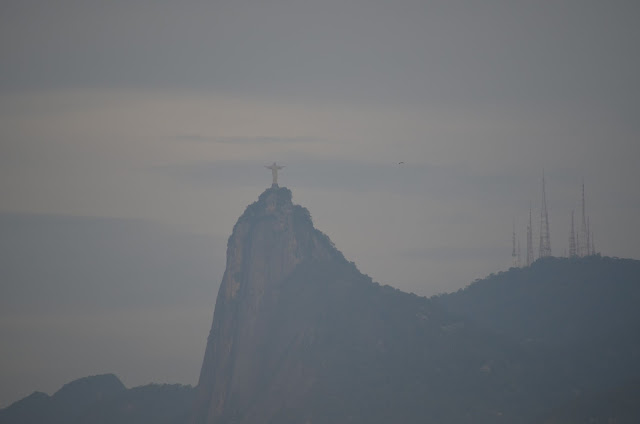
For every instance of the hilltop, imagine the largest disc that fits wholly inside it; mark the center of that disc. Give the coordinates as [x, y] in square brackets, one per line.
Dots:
[299, 334]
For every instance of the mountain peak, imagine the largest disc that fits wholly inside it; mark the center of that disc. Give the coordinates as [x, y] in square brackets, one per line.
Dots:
[300, 335]
[275, 192]
[269, 241]
[273, 201]
[271, 238]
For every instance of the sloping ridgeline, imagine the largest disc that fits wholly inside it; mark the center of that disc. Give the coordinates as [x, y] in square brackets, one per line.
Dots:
[300, 335]
[578, 318]
[103, 399]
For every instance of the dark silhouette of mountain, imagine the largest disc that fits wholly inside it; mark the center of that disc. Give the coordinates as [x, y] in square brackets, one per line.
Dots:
[66, 404]
[579, 316]
[299, 335]
[153, 403]
[75, 397]
[34, 409]
[556, 301]
[103, 399]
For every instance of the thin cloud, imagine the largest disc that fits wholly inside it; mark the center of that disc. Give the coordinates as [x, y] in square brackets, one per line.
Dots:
[245, 140]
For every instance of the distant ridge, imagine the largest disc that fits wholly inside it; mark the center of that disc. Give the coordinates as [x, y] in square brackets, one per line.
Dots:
[102, 399]
[580, 316]
[556, 300]
[299, 335]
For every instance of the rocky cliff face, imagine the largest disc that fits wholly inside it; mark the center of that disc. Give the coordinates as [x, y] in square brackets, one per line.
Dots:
[240, 372]
[299, 335]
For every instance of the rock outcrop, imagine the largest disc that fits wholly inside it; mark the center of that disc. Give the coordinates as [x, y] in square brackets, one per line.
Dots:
[300, 335]
[268, 242]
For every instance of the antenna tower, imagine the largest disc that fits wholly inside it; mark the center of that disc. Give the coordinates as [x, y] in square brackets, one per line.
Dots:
[572, 239]
[545, 239]
[588, 237]
[583, 234]
[529, 241]
[514, 257]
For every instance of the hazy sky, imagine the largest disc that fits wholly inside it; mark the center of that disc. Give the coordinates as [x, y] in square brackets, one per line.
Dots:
[134, 133]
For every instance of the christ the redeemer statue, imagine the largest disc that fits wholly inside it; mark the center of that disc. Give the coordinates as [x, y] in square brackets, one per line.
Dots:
[274, 173]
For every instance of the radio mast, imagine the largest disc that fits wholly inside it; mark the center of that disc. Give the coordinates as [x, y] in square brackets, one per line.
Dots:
[545, 238]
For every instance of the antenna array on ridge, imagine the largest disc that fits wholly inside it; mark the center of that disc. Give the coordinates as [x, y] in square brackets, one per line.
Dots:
[529, 241]
[584, 238]
[514, 255]
[572, 239]
[581, 242]
[545, 238]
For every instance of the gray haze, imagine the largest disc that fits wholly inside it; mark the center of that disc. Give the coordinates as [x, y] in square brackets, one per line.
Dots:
[133, 134]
